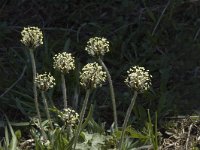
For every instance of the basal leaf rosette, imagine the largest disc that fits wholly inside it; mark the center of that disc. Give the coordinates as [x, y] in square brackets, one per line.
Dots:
[32, 37]
[138, 79]
[92, 76]
[97, 46]
[45, 81]
[64, 62]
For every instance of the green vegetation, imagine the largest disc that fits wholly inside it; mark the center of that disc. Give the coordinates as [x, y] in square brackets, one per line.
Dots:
[93, 102]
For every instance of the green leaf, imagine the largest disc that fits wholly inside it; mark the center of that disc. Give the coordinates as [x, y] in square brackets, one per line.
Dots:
[7, 136]
[95, 127]
[18, 124]
[18, 134]
[135, 134]
[14, 141]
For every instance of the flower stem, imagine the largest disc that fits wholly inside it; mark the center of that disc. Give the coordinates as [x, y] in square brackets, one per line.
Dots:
[70, 132]
[36, 94]
[78, 130]
[64, 90]
[111, 92]
[128, 113]
[47, 109]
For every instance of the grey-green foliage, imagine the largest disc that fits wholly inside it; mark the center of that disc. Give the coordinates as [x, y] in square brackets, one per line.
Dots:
[10, 141]
[93, 141]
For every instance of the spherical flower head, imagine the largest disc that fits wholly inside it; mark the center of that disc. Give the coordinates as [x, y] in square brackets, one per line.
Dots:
[97, 46]
[69, 116]
[32, 37]
[92, 76]
[138, 79]
[45, 81]
[64, 62]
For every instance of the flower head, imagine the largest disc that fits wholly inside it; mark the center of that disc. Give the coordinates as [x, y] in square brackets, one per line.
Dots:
[69, 116]
[32, 37]
[97, 46]
[45, 81]
[92, 75]
[64, 62]
[138, 79]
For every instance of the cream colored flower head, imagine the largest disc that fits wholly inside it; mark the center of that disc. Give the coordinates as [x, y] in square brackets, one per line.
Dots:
[45, 81]
[69, 116]
[64, 62]
[32, 37]
[92, 76]
[97, 46]
[138, 79]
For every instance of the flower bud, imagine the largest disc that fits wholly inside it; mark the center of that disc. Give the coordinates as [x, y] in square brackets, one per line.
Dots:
[138, 79]
[97, 46]
[32, 37]
[64, 62]
[92, 76]
[69, 116]
[44, 81]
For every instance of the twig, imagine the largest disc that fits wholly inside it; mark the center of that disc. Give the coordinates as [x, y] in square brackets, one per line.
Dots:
[188, 137]
[144, 147]
[26, 143]
[170, 145]
[182, 117]
[21, 76]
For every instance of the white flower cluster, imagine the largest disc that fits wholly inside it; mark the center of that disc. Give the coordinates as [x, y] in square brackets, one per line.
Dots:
[92, 75]
[44, 81]
[138, 79]
[32, 37]
[97, 46]
[64, 62]
[69, 116]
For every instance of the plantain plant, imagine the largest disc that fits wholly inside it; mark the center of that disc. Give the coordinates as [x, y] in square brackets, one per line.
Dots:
[98, 47]
[64, 62]
[138, 80]
[91, 77]
[32, 37]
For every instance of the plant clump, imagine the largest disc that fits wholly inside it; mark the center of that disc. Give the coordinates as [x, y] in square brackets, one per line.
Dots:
[97, 46]
[92, 76]
[45, 81]
[138, 79]
[32, 37]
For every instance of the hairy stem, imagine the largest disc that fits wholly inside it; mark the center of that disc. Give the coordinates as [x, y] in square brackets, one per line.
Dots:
[128, 113]
[36, 94]
[111, 92]
[70, 131]
[47, 109]
[81, 117]
[64, 90]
